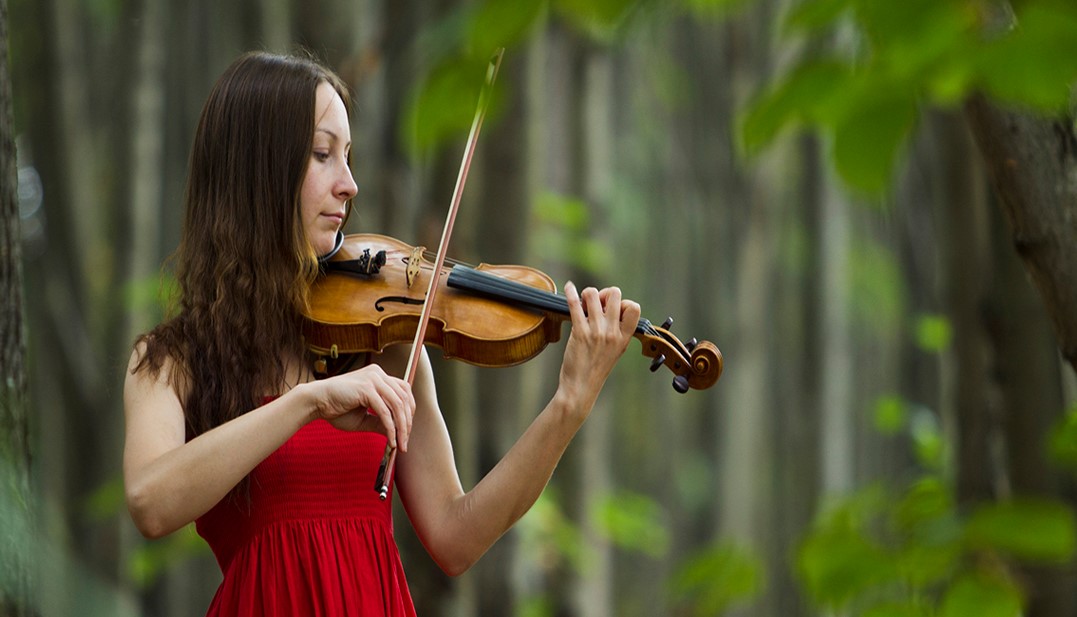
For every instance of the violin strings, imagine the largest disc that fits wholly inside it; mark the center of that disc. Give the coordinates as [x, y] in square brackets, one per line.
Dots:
[490, 284]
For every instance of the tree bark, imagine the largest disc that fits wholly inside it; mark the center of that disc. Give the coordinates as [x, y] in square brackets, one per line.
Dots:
[1033, 166]
[16, 498]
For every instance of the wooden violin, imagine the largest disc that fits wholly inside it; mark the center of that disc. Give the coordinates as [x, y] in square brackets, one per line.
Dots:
[371, 292]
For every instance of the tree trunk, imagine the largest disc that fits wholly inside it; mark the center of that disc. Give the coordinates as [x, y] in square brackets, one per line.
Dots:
[1033, 165]
[966, 276]
[1026, 373]
[16, 498]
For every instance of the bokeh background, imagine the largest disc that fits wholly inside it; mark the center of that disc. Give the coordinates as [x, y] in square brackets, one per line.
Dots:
[894, 432]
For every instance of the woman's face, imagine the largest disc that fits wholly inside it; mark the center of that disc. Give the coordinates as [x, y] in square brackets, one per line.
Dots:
[328, 184]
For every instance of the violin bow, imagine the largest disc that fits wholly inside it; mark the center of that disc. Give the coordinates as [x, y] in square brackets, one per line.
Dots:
[388, 461]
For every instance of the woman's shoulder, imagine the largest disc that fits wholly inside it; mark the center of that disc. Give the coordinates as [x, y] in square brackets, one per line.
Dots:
[151, 363]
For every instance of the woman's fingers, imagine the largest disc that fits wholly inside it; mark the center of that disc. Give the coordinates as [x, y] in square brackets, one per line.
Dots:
[371, 391]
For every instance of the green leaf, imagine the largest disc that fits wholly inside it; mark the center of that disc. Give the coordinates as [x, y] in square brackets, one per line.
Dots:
[928, 440]
[837, 567]
[892, 609]
[547, 536]
[566, 212]
[712, 581]
[444, 105]
[150, 560]
[598, 18]
[926, 501]
[1036, 64]
[806, 96]
[565, 230]
[502, 23]
[877, 289]
[633, 522]
[1062, 444]
[109, 499]
[1034, 530]
[714, 8]
[890, 414]
[815, 15]
[868, 139]
[150, 292]
[981, 596]
[933, 333]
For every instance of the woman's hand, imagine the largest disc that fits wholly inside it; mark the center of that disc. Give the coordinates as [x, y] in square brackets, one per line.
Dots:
[367, 399]
[602, 325]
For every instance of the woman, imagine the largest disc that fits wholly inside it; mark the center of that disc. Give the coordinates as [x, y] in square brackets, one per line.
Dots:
[225, 425]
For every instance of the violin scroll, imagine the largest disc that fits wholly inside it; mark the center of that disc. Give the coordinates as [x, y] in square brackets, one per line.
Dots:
[696, 364]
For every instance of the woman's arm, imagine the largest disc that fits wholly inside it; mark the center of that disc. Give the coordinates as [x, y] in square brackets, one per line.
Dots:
[458, 527]
[170, 482]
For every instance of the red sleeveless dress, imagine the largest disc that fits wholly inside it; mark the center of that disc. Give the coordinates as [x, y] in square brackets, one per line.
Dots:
[314, 539]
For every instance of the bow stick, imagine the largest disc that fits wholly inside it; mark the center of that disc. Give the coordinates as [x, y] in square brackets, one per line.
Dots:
[388, 461]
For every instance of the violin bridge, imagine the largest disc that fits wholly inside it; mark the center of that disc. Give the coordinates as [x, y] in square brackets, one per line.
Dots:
[413, 264]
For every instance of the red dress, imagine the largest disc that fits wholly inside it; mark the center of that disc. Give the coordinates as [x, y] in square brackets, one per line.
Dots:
[314, 539]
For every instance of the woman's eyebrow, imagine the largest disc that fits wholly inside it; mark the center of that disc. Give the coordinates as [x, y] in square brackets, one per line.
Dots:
[331, 134]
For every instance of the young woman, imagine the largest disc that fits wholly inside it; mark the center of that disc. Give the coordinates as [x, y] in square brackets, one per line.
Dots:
[225, 424]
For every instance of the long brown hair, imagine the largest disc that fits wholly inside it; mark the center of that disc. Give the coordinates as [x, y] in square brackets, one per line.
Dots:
[244, 264]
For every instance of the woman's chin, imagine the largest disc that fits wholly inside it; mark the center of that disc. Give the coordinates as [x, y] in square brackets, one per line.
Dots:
[324, 244]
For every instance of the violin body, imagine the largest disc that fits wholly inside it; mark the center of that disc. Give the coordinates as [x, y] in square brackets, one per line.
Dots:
[371, 294]
[353, 312]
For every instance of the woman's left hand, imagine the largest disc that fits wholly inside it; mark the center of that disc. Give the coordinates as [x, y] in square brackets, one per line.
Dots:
[602, 325]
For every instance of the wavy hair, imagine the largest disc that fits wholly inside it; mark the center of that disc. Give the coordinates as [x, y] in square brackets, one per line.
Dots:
[244, 264]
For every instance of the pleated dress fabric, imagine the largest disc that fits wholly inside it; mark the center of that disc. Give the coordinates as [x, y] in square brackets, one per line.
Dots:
[313, 539]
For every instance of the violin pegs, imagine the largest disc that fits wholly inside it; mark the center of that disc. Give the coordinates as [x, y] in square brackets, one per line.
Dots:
[658, 361]
[680, 384]
[691, 343]
[668, 323]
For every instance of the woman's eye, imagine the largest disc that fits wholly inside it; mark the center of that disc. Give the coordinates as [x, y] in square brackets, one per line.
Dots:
[321, 157]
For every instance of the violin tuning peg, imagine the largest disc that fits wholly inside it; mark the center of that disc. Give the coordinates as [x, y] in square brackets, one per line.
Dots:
[668, 323]
[680, 384]
[691, 343]
[658, 361]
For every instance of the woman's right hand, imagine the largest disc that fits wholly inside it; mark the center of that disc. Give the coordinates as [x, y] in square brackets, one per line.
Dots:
[366, 399]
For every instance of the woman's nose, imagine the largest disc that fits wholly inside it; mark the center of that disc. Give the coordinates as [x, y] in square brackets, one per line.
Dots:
[346, 187]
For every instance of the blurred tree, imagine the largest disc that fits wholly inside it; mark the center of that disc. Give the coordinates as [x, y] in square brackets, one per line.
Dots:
[1010, 67]
[1008, 71]
[16, 499]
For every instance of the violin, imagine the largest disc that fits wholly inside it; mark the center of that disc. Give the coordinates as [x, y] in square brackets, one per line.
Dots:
[372, 288]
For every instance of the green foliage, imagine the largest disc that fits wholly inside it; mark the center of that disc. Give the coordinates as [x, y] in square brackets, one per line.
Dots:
[982, 595]
[717, 578]
[599, 19]
[879, 554]
[106, 501]
[914, 553]
[564, 230]
[876, 288]
[445, 106]
[550, 538]
[151, 293]
[891, 414]
[442, 102]
[152, 559]
[1039, 531]
[865, 96]
[933, 333]
[1062, 442]
[633, 522]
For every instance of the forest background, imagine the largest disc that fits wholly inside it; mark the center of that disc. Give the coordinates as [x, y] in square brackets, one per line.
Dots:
[891, 282]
